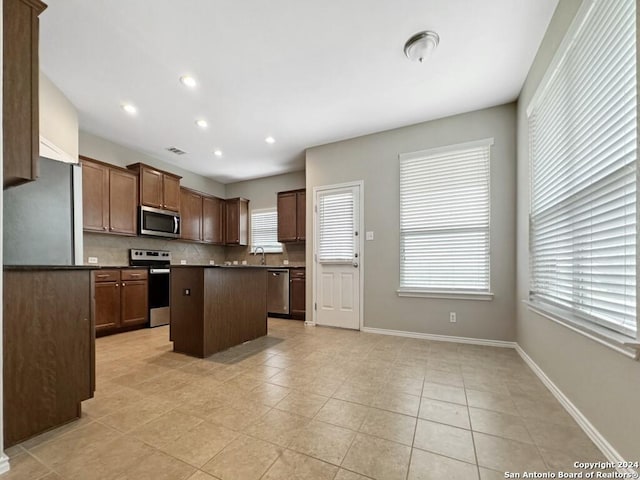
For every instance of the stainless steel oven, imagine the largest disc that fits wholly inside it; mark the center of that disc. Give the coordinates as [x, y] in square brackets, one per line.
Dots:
[159, 262]
[159, 223]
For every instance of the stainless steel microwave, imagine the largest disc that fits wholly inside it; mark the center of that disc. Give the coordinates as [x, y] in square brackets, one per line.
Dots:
[154, 222]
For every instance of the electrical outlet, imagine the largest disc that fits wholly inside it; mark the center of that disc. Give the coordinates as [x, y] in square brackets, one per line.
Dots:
[285, 262]
[183, 262]
[452, 317]
[92, 259]
[186, 292]
[212, 262]
[369, 236]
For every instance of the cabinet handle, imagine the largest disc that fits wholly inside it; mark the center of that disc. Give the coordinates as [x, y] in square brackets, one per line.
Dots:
[117, 285]
[104, 228]
[134, 274]
[102, 275]
[123, 284]
[110, 229]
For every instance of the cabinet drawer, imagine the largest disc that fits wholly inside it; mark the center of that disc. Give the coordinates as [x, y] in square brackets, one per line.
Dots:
[106, 275]
[296, 273]
[134, 274]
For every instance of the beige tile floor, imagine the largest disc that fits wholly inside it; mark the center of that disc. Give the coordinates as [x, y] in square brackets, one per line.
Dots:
[307, 403]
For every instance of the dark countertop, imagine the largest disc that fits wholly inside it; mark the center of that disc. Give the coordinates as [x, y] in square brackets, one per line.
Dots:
[27, 268]
[239, 266]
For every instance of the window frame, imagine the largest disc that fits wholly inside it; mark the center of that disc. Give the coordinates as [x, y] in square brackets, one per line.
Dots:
[269, 248]
[446, 293]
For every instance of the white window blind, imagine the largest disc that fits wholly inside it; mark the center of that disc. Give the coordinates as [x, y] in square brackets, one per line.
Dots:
[444, 219]
[336, 225]
[264, 230]
[582, 134]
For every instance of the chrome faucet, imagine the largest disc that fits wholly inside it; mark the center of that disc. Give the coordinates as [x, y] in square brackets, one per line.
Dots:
[255, 252]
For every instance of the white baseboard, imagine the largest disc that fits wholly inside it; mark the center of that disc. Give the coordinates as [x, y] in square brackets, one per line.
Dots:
[4, 463]
[596, 437]
[441, 338]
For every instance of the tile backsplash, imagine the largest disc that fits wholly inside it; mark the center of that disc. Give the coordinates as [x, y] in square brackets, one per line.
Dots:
[293, 252]
[113, 250]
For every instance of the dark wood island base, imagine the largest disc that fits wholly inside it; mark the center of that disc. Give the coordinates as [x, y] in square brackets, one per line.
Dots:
[215, 308]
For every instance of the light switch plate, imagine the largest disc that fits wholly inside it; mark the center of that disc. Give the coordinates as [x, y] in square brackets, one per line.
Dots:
[369, 236]
[183, 262]
[92, 259]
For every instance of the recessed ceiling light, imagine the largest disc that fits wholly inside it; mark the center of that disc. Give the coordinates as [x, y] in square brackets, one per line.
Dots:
[130, 109]
[270, 140]
[189, 81]
[202, 123]
[217, 153]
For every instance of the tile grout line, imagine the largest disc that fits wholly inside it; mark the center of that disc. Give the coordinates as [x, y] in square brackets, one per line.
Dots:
[473, 438]
[415, 429]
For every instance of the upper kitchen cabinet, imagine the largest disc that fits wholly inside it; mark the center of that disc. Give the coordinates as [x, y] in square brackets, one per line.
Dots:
[213, 220]
[158, 189]
[109, 198]
[291, 216]
[191, 215]
[202, 217]
[236, 221]
[20, 90]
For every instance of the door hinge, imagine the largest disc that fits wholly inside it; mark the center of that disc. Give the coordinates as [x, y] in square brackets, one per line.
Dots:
[315, 306]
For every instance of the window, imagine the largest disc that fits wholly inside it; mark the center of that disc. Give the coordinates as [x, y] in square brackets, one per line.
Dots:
[444, 220]
[264, 230]
[582, 139]
[336, 226]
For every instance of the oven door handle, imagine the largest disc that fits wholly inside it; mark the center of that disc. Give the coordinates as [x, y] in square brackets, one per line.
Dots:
[154, 271]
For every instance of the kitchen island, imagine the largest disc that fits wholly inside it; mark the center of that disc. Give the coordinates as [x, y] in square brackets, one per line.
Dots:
[216, 307]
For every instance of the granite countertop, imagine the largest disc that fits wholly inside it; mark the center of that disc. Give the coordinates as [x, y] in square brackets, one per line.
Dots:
[26, 268]
[193, 265]
[65, 267]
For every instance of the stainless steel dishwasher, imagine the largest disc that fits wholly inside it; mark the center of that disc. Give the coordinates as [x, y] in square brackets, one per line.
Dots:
[278, 291]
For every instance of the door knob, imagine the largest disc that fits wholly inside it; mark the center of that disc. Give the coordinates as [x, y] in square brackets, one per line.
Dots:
[355, 264]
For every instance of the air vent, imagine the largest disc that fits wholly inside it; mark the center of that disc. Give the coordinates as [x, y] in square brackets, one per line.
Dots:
[175, 150]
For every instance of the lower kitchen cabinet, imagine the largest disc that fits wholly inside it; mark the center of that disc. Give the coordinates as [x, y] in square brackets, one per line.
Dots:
[48, 348]
[120, 299]
[297, 294]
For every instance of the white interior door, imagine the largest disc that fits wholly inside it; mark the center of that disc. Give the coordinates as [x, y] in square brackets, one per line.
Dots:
[337, 256]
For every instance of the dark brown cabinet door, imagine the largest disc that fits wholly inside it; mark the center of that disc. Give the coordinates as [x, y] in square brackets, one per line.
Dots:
[301, 215]
[191, 215]
[171, 193]
[287, 217]
[107, 305]
[123, 194]
[48, 350]
[236, 221]
[151, 187]
[297, 293]
[292, 216]
[95, 197]
[134, 302]
[213, 220]
[20, 91]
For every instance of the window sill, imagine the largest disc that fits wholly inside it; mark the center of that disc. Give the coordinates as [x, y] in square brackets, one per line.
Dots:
[616, 341]
[450, 294]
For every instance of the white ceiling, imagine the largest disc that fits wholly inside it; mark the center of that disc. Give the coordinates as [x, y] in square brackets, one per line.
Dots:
[305, 72]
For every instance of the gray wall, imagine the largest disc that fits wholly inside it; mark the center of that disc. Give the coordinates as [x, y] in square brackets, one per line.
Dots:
[104, 150]
[262, 194]
[603, 384]
[374, 159]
